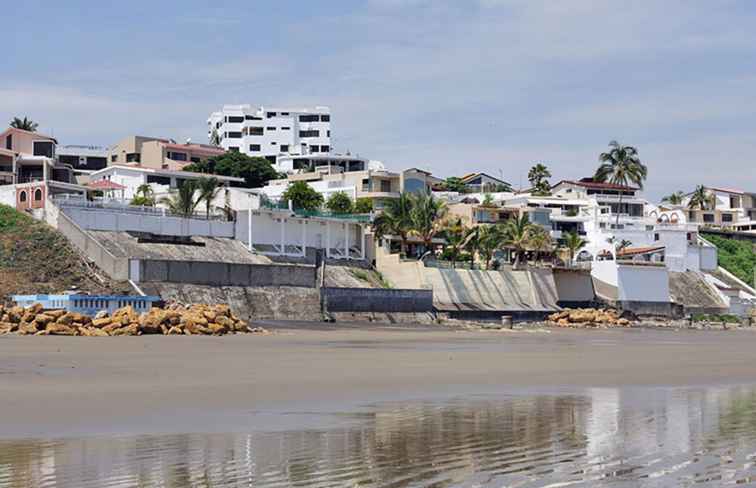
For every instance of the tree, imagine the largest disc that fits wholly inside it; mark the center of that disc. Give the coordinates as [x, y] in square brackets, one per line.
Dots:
[702, 199]
[573, 243]
[255, 171]
[489, 240]
[540, 242]
[208, 189]
[302, 196]
[427, 217]
[144, 196]
[396, 219]
[215, 138]
[538, 178]
[621, 166]
[454, 184]
[363, 205]
[24, 124]
[622, 245]
[675, 198]
[182, 202]
[517, 234]
[457, 236]
[340, 203]
[488, 201]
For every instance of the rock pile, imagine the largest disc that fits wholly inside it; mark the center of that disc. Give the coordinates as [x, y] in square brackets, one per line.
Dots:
[588, 317]
[172, 320]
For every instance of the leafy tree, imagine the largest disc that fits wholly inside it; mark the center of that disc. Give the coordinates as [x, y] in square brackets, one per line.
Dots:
[144, 196]
[573, 243]
[208, 189]
[363, 205]
[675, 198]
[498, 188]
[488, 201]
[538, 177]
[255, 171]
[455, 184]
[215, 138]
[621, 166]
[517, 234]
[302, 196]
[182, 202]
[339, 203]
[427, 217]
[24, 124]
[737, 257]
[456, 235]
[702, 198]
[396, 219]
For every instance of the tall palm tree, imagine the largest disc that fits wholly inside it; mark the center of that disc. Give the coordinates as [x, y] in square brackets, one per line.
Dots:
[538, 178]
[573, 242]
[489, 239]
[144, 196]
[24, 124]
[208, 189]
[540, 242]
[517, 233]
[396, 219]
[675, 198]
[182, 202]
[702, 198]
[457, 236]
[621, 166]
[427, 217]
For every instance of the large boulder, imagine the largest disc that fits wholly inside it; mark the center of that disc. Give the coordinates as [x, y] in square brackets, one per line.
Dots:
[54, 328]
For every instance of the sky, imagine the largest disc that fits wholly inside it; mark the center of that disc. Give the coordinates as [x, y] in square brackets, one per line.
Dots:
[448, 86]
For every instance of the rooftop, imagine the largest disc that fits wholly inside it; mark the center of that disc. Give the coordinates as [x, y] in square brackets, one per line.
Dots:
[166, 172]
[596, 185]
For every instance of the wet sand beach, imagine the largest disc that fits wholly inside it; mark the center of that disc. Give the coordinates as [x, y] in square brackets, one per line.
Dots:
[76, 386]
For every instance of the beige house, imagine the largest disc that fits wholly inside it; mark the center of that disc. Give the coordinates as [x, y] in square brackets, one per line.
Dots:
[30, 156]
[157, 153]
[472, 213]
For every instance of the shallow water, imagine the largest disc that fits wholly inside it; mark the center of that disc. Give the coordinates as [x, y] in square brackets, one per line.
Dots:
[596, 437]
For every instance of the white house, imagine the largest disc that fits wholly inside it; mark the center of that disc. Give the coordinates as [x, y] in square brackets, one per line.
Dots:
[271, 132]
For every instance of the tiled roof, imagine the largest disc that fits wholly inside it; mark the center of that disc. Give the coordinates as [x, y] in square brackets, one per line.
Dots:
[635, 251]
[597, 185]
[105, 185]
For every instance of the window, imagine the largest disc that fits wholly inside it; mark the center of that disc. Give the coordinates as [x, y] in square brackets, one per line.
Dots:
[386, 186]
[235, 120]
[38, 195]
[284, 148]
[270, 115]
[44, 148]
[133, 158]
[270, 128]
[195, 159]
[329, 133]
[234, 135]
[233, 149]
[9, 142]
[22, 196]
[708, 218]
[314, 149]
[656, 236]
[252, 117]
[177, 156]
[309, 118]
[283, 114]
[309, 133]
[285, 128]
[113, 158]
[160, 180]
[726, 217]
[325, 118]
[254, 147]
[325, 148]
[255, 131]
[365, 184]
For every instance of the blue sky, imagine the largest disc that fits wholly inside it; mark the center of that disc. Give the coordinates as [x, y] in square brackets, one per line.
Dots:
[450, 86]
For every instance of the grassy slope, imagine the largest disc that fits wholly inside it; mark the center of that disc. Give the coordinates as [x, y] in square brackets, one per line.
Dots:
[737, 257]
[34, 258]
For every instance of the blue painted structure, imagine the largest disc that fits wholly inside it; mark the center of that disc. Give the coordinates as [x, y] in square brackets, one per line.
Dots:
[87, 304]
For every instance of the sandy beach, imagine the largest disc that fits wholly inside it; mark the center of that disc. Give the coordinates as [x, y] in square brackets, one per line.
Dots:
[59, 386]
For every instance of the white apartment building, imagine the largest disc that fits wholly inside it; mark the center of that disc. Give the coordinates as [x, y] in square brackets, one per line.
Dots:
[271, 132]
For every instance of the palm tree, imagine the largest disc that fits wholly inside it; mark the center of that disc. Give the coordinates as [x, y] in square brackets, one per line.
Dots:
[621, 166]
[675, 198]
[457, 237]
[489, 239]
[517, 234]
[427, 217]
[540, 242]
[396, 219]
[538, 178]
[215, 138]
[144, 196]
[24, 124]
[701, 198]
[208, 189]
[573, 242]
[182, 202]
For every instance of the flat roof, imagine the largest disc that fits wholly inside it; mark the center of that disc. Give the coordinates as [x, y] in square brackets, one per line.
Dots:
[166, 172]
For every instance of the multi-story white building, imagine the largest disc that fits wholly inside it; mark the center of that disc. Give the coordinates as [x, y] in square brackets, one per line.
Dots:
[271, 132]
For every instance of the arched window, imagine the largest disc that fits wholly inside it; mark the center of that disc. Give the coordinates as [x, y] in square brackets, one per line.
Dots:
[22, 196]
[38, 195]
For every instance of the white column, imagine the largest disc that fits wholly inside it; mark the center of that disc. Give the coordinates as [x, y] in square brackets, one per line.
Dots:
[362, 237]
[249, 224]
[328, 238]
[304, 238]
[346, 240]
[283, 236]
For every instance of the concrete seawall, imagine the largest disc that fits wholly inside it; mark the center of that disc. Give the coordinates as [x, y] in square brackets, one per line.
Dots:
[377, 300]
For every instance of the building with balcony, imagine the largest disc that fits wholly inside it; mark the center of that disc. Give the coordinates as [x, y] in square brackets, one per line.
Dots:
[271, 132]
[159, 153]
[729, 208]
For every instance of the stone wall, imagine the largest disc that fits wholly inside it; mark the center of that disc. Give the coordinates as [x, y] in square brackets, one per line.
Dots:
[377, 300]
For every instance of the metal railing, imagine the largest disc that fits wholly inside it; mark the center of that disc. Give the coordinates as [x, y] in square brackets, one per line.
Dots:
[123, 206]
[282, 205]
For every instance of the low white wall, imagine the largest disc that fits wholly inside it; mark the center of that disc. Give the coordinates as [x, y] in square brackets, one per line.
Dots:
[8, 195]
[708, 258]
[643, 283]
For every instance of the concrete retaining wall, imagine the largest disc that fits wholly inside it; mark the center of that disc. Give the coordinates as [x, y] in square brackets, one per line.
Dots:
[377, 300]
[222, 274]
[574, 286]
[116, 268]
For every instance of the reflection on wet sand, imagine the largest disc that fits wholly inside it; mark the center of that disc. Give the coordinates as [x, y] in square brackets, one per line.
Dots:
[597, 437]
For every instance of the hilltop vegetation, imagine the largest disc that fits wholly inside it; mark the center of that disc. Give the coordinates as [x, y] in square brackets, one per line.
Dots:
[737, 257]
[34, 258]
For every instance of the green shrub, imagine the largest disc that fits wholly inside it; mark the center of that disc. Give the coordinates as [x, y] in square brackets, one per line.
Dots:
[737, 257]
